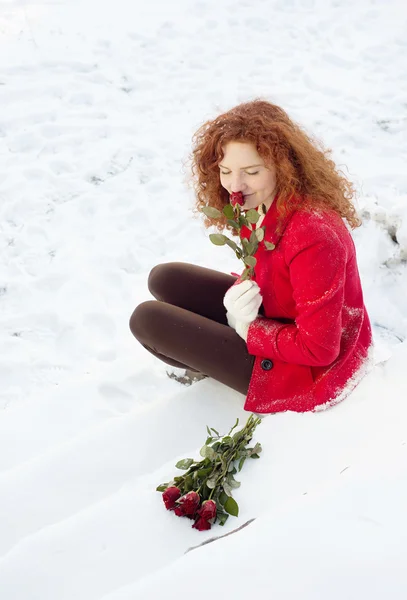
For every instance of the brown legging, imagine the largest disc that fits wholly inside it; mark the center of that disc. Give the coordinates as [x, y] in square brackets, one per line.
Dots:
[187, 327]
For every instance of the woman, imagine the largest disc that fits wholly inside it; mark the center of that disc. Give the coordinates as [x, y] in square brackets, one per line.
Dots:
[298, 337]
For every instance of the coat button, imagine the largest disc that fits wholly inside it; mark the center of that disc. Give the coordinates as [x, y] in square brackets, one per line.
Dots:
[266, 364]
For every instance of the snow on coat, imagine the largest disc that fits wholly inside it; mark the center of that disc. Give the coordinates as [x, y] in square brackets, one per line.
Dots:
[315, 335]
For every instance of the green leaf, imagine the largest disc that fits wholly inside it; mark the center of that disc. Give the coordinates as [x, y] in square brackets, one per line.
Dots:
[189, 483]
[250, 260]
[254, 456]
[242, 221]
[205, 492]
[233, 224]
[239, 253]
[245, 275]
[258, 448]
[269, 245]
[214, 431]
[184, 464]
[227, 489]
[223, 498]
[231, 244]
[162, 487]
[254, 241]
[241, 462]
[259, 234]
[207, 452]
[208, 440]
[211, 482]
[232, 507]
[228, 211]
[252, 215]
[233, 483]
[218, 239]
[211, 212]
[250, 248]
[208, 430]
[222, 518]
[204, 472]
[245, 243]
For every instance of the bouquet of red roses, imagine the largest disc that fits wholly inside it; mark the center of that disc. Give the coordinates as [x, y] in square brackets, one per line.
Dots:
[204, 492]
[236, 219]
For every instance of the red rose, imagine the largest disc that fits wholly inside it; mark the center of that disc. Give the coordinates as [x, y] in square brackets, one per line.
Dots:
[201, 524]
[206, 513]
[170, 495]
[187, 505]
[179, 511]
[236, 198]
[208, 510]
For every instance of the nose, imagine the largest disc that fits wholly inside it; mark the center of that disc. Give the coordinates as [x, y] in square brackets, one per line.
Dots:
[236, 184]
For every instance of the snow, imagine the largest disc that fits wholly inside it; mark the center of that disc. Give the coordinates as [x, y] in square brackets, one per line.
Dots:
[98, 103]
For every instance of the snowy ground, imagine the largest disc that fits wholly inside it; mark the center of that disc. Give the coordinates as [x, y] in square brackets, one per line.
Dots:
[98, 103]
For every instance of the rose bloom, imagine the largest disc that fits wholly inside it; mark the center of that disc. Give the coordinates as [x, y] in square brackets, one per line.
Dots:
[208, 510]
[236, 198]
[201, 524]
[206, 513]
[187, 505]
[170, 495]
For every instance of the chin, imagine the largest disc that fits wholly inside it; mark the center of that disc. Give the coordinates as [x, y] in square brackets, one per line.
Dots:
[249, 205]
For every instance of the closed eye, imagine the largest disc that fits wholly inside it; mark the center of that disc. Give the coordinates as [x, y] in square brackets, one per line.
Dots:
[255, 173]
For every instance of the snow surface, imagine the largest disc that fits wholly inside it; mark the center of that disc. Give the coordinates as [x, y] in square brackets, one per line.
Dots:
[99, 101]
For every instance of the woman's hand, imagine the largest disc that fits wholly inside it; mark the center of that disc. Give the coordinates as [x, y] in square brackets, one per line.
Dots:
[240, 327]
[243, 301]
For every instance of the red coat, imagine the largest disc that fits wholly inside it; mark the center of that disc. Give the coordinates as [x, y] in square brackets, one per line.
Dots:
[316, 333]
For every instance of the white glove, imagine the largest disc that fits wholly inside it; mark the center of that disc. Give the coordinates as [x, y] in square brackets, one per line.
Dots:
[240, 327]
[242, 301]
[231, 320]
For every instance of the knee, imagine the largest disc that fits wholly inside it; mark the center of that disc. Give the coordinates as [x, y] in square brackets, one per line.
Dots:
[142, 316]
[162, 278]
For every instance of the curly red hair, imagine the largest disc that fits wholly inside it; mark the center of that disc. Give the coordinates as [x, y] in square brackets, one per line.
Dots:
[305, 174]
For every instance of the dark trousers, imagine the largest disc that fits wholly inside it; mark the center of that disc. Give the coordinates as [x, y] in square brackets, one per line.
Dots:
[186, 325]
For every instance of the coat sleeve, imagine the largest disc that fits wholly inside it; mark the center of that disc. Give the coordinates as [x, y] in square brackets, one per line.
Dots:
[316, 258]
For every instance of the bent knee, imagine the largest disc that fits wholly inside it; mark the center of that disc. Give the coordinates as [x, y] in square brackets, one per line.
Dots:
[142, 316]
[163, 277]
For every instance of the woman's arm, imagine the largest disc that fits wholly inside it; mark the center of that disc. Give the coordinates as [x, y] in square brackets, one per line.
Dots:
[317, 260]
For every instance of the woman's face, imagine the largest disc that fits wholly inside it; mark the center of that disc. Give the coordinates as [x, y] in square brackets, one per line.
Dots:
[243, 170]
